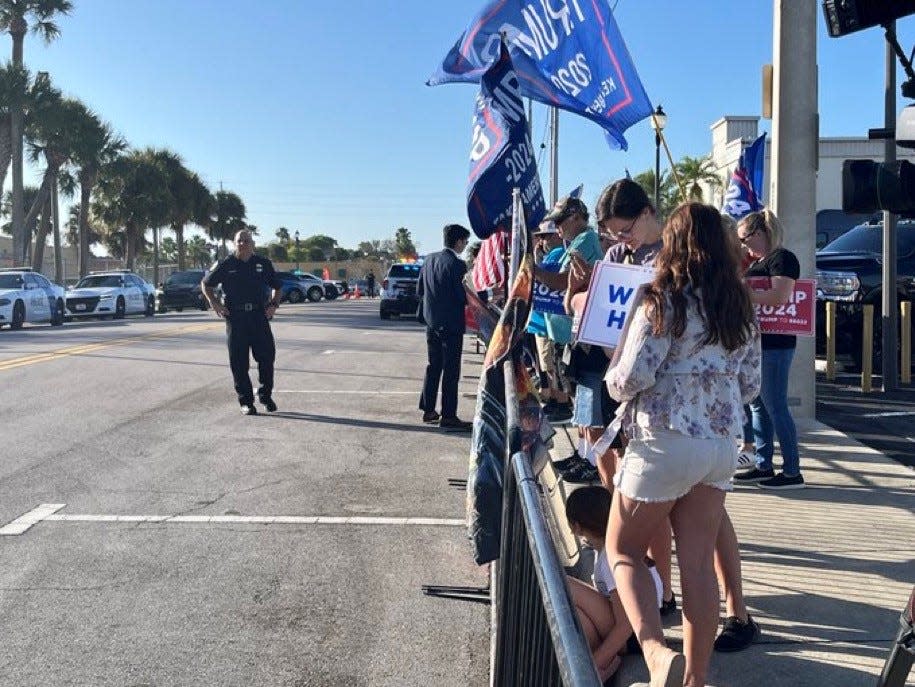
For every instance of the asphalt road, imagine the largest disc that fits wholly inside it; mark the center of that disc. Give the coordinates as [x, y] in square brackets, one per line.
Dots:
[138, 418]
[882, 421]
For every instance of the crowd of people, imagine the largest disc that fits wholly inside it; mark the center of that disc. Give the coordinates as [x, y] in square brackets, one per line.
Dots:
[690, 406]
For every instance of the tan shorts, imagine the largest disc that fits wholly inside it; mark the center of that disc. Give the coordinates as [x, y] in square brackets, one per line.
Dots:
[665, 465]
[549, 363]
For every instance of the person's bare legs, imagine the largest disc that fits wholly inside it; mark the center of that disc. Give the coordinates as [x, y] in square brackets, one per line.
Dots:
[696, 518]
[661, 550]
[727, 569]
[605, 628]
[631, 526]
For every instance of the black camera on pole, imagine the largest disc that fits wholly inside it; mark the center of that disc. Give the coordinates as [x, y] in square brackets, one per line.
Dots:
[847, 16]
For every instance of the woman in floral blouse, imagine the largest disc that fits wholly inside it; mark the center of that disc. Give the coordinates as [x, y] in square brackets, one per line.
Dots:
[690, 361]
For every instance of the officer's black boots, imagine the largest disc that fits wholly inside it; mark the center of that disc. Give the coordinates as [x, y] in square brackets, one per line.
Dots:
[249, 409]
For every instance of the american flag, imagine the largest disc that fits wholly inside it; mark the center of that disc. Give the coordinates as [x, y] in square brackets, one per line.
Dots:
[489, 267]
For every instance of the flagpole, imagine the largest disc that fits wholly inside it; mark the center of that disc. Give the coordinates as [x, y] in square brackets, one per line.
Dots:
[554, 155]
[673, 167]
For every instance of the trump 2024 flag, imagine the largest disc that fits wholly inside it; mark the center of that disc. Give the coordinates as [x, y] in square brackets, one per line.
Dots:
[568, 53]
[744, 194]
[501, 155]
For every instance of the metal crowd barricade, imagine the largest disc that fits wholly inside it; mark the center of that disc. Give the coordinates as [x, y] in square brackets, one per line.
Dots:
[538, 640]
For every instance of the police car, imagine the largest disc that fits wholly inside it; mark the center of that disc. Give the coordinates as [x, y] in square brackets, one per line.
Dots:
[111, 294]
[27, 296]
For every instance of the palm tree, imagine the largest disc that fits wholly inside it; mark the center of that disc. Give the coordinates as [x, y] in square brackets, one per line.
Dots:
[15, 16]
[199, 252]
[52, 133]
[283, 235]
[695, 171]
[29, 194]
[191, 200]
[14, 84]
[132, 197]
[229, 219]
[96, 145]
[667, 192]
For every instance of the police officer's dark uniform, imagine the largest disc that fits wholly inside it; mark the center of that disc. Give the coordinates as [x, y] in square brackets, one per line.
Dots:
[247, 284]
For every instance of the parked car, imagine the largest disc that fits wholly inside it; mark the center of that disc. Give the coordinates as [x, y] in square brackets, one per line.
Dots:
[28, 296]
[398, 290]
[181, 290]
[297, 286]
[850, 272]
[111, 294]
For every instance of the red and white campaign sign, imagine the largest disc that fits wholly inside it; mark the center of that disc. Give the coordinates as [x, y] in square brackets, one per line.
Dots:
[795, 317]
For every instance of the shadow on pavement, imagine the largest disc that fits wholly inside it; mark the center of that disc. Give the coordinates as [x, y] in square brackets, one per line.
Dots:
[371, 424]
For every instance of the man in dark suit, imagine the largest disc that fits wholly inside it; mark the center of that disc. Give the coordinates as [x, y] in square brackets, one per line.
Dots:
[441, 289]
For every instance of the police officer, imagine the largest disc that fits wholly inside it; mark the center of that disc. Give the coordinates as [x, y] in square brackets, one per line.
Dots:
[252, 295]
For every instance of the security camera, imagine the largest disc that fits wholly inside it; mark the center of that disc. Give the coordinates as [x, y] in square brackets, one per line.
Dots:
[905, 127]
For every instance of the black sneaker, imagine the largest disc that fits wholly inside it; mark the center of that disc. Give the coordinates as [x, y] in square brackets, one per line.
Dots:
[248, 409]
[567, 464]
[561, 412]
[782, 481]
[670, 606]
[269, 404]
[582, 474]
[753, 475]
[736, 635]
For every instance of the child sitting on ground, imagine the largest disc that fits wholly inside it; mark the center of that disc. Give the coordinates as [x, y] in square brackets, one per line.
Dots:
[599, 609]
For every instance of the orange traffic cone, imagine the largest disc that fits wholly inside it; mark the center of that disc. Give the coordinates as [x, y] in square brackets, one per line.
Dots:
[356, 293]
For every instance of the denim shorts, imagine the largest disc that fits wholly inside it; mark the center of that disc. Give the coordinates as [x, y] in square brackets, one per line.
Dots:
[592, 402]
[665, 465]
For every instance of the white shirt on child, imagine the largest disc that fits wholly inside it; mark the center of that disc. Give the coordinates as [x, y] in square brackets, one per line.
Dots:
[604, 582]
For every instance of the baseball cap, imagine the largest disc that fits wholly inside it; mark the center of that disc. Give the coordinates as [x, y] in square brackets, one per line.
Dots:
[566, 207]
[546, 228]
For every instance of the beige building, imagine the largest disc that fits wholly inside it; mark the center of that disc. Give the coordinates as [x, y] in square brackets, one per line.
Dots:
[731, 134]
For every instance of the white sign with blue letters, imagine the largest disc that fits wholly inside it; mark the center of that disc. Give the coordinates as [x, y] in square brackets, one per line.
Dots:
[612, 296]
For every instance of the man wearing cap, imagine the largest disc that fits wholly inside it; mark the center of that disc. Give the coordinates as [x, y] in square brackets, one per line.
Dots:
[571, 218]
[252, 292]
[548, 245]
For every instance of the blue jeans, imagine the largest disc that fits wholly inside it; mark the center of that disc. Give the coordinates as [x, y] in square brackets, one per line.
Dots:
[771, 416]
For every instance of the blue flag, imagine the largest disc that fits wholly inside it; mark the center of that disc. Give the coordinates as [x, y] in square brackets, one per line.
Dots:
[744, 194]
[568, 54]
[501, 155]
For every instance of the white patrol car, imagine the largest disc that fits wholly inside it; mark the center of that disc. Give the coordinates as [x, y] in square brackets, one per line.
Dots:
[27, 296]
[111, 294]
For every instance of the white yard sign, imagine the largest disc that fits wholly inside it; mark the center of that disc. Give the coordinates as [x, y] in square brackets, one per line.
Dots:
[611, 297]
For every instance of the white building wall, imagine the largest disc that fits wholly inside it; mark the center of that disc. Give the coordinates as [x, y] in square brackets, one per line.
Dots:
[731, 134]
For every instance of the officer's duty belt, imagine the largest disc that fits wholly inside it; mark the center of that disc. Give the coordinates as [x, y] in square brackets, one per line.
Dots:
[246, 307]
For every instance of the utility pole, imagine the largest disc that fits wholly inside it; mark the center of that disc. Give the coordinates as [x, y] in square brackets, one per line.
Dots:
[795, 142]
[889, 303]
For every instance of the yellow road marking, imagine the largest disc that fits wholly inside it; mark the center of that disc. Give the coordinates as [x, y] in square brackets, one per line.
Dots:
[88, 348]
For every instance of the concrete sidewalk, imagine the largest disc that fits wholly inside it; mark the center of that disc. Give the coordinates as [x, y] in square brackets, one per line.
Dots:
[826, 569]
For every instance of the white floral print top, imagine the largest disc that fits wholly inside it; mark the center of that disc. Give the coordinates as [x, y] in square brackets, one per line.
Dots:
[681, 385]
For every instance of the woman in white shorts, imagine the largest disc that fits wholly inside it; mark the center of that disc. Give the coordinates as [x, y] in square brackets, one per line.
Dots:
[689, 363]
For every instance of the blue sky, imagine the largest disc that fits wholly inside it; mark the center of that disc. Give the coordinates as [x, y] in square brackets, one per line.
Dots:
[318, 116]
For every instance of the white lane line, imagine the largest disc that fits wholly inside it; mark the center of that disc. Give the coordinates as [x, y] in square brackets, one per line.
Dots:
[327, 352]
[47, 512]
[259, 519]
[336, 392]
[33, 517]
[891, 413]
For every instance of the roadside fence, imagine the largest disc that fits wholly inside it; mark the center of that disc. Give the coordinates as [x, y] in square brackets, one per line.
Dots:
[538, 640]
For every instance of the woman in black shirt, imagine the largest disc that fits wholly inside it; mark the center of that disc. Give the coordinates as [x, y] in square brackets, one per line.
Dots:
[761, 235]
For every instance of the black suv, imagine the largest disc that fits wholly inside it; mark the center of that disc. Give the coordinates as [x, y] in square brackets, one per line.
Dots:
[850, 272]
[398, 290]
[181, 290]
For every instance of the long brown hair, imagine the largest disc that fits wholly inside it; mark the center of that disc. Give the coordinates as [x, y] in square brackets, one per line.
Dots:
[698, 260]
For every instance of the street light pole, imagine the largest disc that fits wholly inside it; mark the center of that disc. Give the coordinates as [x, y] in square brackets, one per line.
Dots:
[297, 249]
[658, 122]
